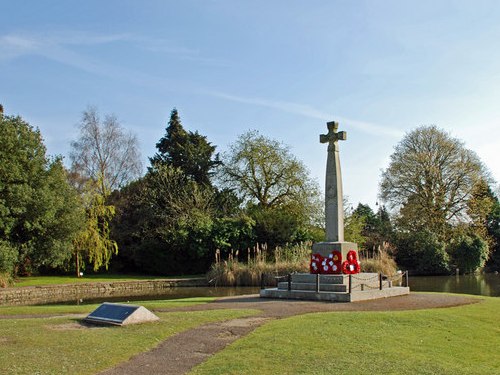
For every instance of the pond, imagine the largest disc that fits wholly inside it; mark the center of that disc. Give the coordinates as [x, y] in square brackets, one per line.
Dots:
[485, 284]
[172, 293]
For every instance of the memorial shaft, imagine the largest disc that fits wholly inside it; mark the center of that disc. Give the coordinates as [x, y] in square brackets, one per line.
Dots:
[334, 205]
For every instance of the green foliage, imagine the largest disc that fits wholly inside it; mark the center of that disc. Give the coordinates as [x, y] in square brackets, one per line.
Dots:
[165, 223]
[265, 173]
[377, 230]
[8, 257]
[93, 242]
[354, 225]
[191, 152]
[470, 253]
[229, 233]
[421, 251]
[8, 260]
[439, 187]
[281, 197]
[274, 226]
[39, 211]
[493, 228]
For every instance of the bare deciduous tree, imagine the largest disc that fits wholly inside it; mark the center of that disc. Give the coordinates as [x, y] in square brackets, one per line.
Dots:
[105, 152]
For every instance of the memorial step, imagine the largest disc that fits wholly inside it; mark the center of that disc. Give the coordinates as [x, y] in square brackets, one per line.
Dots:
[310, 286]
[323, 279]
[334, 297]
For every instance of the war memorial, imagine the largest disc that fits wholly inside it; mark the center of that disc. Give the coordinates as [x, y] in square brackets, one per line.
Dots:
[335, 272]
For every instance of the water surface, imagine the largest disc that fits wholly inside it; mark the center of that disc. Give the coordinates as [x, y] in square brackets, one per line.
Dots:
[483, 285]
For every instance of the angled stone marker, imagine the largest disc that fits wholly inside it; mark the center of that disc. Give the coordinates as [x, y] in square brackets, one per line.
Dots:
[334, 205]
[120, 314]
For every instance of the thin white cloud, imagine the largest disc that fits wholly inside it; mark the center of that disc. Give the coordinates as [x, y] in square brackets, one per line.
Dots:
[15, 45]
[18, 44]
[311, 112]
[59, 48]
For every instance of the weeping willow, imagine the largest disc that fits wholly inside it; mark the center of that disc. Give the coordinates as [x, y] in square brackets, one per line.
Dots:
[93, 243]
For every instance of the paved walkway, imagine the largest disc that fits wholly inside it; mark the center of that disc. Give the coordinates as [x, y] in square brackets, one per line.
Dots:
[180, 353]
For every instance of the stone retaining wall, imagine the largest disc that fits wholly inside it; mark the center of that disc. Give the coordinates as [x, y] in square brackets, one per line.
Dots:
[33, 295]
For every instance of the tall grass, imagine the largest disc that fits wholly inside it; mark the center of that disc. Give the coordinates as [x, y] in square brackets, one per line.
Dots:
[282, 261]
[380, 262]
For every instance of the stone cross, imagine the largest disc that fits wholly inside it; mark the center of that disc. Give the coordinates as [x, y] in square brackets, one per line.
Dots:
[334, 205]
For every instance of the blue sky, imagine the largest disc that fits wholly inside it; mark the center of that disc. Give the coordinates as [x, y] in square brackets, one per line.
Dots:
[285, 68]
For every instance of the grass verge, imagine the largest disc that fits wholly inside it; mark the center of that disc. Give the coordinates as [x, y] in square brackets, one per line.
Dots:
[459, 340]
[63, 346]
[85, 309]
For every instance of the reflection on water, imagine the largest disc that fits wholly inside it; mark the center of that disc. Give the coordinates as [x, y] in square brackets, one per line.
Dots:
[484, 285]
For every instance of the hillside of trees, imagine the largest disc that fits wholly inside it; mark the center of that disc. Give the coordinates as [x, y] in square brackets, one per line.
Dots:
[438, 210]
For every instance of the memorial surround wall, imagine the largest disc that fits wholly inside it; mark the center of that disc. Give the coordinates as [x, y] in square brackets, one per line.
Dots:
[33, 295]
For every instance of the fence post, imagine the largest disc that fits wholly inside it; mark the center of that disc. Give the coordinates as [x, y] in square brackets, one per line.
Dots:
[289, 282]
[380, 280]
[406, 279]
[350, 283]
[317, 283]
[262, 282]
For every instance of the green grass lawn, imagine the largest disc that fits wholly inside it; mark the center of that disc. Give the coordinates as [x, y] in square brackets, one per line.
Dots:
[52, 280]
[458, 340]
[61, 345]
[85, 309]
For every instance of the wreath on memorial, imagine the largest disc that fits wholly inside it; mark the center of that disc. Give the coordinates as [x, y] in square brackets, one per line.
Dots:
[351, 265]
[332, 264]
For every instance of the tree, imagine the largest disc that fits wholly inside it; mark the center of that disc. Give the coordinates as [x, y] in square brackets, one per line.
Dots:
[104, 152]
[93, 242]
[191, 152]
[280, 195]
[493, 227]
[165, 223]
[377, 228]
[39, 211]
[265, 173]
[470, 252]
[430, 179]
[353, 228]
[422, 251]
[479, 207]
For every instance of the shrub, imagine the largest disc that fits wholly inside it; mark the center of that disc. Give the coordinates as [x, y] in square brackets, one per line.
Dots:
[470, 253]
[421, 251]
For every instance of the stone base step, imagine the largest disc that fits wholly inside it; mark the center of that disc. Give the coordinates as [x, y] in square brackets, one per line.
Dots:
[323, 279]
[309, 286]
[333, 297]
[304, 295]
